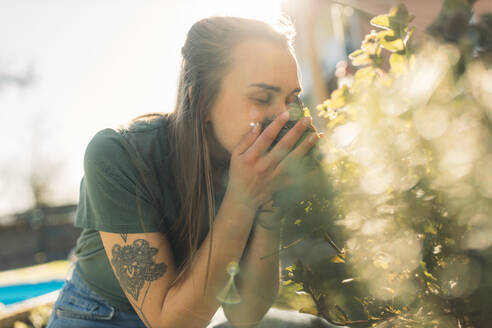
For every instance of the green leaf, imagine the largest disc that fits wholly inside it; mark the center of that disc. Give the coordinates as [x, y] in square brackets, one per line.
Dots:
[429, 228]
[393, 46]
[388, 36]
[311, 310]
[356, 54]
[399, 11]
[400, 14]
[366, 74]
[399, 63]
[390, 41]
[363, 60]
[288, 282]
[336, 259]
[429, 275]
[397, 19]
[337, 120]
[382, 21]
[338, 97]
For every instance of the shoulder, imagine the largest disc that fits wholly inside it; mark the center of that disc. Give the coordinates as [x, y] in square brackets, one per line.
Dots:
[141, 135]
[105, 144]
[127, 175]
[136, 153]
[145, 123]
[107, 158]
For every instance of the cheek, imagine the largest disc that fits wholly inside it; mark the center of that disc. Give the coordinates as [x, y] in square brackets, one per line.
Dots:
[230, 125]
[229, 132]
[230, 122]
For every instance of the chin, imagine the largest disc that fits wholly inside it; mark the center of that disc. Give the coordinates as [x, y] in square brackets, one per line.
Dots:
[221, 154]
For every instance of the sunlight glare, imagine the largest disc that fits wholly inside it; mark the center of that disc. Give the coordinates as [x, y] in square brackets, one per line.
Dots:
[431, 121]
[267, 11]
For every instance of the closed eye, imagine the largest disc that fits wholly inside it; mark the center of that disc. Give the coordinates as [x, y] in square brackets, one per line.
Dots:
[263, 101]
[294, 100]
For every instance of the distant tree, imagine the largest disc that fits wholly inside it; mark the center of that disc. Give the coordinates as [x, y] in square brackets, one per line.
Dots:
[43, 167]
[21, 80]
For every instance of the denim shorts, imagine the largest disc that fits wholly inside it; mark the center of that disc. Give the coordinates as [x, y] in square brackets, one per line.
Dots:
[79, 306]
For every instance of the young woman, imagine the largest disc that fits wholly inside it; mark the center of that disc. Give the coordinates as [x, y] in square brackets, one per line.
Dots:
[170, 200]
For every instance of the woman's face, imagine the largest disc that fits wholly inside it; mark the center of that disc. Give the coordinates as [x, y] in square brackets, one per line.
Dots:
[261, 82]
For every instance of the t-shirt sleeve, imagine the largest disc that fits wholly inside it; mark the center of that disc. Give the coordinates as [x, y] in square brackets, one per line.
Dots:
[113, 197]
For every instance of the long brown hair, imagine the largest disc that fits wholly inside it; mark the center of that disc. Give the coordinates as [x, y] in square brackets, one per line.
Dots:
[206, 58]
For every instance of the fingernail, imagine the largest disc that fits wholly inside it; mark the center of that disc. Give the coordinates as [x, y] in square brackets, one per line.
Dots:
[307, 121]
[285, 115]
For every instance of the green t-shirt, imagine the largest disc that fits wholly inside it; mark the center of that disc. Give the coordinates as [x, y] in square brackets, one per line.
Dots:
[128, 187]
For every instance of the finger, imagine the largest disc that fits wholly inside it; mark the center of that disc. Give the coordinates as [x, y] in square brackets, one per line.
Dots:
[248, 139]
[285, 145]
[305, 145]
[292, 160]
[268, 135]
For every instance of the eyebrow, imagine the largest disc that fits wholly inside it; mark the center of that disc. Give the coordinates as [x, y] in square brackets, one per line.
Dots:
[271, 87]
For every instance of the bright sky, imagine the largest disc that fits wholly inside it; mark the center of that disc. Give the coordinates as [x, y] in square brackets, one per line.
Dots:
[97, 64]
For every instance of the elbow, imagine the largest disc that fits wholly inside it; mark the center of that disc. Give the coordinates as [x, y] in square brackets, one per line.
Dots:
[175, 313]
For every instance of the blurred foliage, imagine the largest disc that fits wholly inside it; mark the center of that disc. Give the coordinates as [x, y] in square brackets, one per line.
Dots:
[403, 189]
[38, 318]
[308, 177]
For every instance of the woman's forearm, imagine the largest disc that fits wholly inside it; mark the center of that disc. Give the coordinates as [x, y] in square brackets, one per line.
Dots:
[258, 280]
[231, 229]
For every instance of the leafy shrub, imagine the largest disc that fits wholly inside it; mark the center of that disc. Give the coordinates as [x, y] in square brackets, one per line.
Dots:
[406, 198]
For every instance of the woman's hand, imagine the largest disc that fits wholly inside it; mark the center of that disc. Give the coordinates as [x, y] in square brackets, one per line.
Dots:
[254, 173]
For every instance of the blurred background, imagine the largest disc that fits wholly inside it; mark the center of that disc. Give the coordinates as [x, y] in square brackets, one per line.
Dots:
[71, 68]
